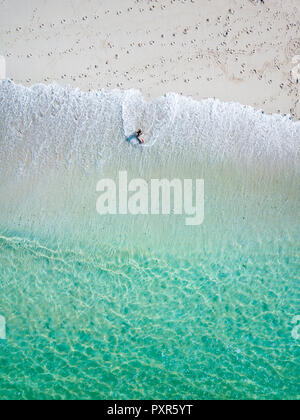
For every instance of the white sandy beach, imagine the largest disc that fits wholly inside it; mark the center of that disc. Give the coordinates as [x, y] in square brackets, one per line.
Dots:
[235, 50]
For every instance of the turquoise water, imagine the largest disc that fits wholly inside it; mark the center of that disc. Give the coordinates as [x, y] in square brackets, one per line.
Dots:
[137, 326]
[144, 307]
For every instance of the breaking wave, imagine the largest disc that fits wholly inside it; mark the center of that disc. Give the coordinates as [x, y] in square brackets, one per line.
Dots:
[46, 126]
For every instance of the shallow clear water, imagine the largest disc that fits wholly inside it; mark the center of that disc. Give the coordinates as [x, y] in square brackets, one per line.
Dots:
[137, 326]
[144, 307]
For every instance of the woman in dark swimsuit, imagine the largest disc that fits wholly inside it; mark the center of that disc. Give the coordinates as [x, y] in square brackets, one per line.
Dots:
[137, 135]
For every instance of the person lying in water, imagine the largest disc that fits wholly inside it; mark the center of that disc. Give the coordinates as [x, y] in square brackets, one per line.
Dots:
[137, 135]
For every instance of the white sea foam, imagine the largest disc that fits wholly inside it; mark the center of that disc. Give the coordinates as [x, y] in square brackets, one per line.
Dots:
[56, 143]
[51, 126]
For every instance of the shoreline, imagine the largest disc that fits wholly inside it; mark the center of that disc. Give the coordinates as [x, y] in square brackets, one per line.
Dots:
[148, 101]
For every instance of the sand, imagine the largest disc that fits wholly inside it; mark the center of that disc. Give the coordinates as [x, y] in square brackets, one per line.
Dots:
[235, 50]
